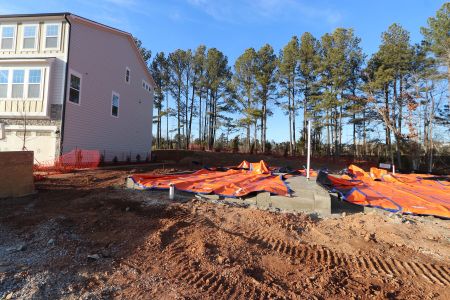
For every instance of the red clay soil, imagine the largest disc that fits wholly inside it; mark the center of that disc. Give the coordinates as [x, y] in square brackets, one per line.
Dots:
[84, 236]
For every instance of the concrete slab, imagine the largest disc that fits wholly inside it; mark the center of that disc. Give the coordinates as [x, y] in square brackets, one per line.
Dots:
[307, 196]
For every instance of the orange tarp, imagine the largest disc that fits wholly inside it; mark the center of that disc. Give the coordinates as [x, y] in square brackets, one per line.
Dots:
[231, 183]
[407, 193]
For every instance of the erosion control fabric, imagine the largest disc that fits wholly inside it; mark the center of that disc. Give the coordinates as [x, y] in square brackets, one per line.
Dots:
[245, 179]
[405, 193]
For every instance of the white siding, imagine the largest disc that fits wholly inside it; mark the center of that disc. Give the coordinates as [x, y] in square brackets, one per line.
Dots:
[101, 58]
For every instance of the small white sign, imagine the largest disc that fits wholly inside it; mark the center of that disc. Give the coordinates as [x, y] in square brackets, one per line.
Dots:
[385, 166]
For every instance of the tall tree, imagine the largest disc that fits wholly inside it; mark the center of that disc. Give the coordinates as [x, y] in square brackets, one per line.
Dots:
[177, 67]
[266, 77]
[309, 60]
[437, 36]
[217, 75]
[288, 75]
[159, 70]
[244, 80]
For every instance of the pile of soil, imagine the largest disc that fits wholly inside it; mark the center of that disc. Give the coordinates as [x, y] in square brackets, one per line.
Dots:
[84, 236]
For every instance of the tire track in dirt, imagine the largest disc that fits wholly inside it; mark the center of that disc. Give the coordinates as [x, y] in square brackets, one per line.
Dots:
[433, 273]
[202, 280]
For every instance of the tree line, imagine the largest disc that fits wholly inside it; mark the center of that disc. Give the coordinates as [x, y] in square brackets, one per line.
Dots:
[328, 80]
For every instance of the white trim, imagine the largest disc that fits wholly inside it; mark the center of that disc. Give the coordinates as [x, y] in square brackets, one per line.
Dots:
[129, 75]
[31, 127]
[75, 73]
[118, 106]
[36, 36]
[14, 26]
[58, 40]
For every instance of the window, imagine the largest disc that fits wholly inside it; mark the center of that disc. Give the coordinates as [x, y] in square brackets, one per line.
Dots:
[17, 83]
[115, 105]
[29, 36]
[34, 83]
[4, 83]
[51, 35]
[127, 75]
[75, 88]
[8, 33]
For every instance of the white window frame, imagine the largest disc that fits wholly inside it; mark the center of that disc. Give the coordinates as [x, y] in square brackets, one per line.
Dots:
[127, 69]
[75, 73]
[118, 106]
[7, 83]
[58, 40]
[25, 82]
[36, 36]
[14, 26]
[41, 85]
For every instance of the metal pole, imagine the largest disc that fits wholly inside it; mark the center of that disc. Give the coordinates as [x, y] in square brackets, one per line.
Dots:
[308, 157]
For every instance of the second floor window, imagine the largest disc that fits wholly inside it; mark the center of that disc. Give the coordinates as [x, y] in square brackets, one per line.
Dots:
[127, 75]
[18, 83]
[29, 36]
[34, 83]
[51, 35]
[7, 41]
[4, 83]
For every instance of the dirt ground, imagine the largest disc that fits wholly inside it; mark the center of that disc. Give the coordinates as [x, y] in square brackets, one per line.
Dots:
[84, 236]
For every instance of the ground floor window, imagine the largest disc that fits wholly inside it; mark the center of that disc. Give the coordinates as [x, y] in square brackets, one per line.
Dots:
[75, 88]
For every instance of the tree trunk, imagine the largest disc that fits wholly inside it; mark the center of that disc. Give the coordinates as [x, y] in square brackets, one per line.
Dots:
[291, 150]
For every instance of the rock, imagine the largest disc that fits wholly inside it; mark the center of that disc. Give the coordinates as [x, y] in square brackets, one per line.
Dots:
[127, 209]
[21, 247]
[94, 256]
[51, 242]
[9, 296]
[344, 214]
[369, 237]
[106, 253]
[220, 259]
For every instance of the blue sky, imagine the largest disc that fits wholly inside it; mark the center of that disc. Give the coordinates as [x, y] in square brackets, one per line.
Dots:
[232, 26]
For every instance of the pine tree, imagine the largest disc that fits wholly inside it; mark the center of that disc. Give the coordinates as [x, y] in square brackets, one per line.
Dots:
[266, 68]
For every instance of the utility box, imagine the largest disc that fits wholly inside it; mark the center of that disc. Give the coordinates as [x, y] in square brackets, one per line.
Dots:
[16, 173]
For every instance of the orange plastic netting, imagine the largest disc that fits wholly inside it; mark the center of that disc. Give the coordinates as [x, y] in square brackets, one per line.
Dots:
[75, 159]
[406, 193]
[230, 183]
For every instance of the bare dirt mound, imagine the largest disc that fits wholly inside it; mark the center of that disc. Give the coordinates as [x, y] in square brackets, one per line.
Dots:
[82, 236]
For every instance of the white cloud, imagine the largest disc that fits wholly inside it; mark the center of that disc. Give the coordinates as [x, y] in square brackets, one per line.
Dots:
[251, 10]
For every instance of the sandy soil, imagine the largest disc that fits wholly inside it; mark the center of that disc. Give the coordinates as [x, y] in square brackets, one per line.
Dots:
[84, 236]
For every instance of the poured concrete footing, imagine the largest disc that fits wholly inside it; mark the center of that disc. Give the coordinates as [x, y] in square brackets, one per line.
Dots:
[307, 196]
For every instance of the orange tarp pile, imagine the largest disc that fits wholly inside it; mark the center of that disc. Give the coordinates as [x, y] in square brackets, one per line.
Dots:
[406, 193]
[247, 178]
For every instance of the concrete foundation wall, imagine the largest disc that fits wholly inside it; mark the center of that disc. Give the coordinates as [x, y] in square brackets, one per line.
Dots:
[16, 173]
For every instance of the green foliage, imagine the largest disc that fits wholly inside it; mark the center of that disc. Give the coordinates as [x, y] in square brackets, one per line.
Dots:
[145, 53]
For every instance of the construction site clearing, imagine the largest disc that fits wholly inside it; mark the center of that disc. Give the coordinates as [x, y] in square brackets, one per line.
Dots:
[242, 232]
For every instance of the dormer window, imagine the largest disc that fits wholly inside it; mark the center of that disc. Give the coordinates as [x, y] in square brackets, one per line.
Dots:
[51, 36]
[29, 36]
[8, 33]
[127, 75]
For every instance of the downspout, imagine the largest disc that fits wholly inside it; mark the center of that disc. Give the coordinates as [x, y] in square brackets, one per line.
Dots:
[61, 140]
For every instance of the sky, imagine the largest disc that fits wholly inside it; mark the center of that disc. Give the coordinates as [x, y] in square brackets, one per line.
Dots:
[232, 25]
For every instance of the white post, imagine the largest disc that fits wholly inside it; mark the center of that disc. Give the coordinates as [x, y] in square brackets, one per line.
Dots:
[308, 157]
[171, 191]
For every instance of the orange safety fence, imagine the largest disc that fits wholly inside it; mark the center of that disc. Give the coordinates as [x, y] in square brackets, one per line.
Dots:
[230, 183]
[405, 193]
[75, 159]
